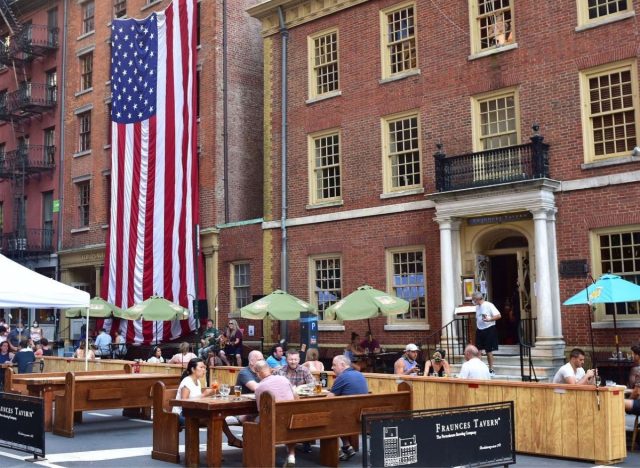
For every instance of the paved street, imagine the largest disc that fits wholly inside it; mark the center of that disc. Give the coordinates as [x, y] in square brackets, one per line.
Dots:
[106, 439]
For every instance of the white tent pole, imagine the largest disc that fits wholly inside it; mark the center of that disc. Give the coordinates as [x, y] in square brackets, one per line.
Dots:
[86, 343]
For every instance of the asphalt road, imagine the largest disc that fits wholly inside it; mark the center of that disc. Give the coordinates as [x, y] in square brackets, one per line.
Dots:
[106, 439]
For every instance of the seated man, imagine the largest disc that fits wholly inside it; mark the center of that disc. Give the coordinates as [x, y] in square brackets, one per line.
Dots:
[25, 357]
[293, 371]
[277, 359]
[407, 364]
[573, 373]
[370, 344]
[209, 342]
[281, 390]
[103, 344]
[474, 368]
[348, 382]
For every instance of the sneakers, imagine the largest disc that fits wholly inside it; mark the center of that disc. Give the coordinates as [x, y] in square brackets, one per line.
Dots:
[492, 372]
[306, 447]
[346, 453]
[291, 462]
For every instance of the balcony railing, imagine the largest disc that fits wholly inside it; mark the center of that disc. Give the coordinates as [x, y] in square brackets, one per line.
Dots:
[27, 243]
[27, 100]
[502, 165]
[33, 40]
[29, 159]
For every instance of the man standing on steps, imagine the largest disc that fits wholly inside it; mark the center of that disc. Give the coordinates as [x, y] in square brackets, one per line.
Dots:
[486, 333]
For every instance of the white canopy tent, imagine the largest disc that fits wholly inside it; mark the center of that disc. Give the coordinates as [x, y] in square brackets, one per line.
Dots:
[22, 287]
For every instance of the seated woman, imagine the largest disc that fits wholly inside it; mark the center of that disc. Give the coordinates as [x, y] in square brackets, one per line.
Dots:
[81, 351]
[35, 332]
[312, 363]
[156, 356]
[190, 386]
[355, 352]
[437, 364]
[184, 356]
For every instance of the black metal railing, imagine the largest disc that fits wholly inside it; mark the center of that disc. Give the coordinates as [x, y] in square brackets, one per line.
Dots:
[527, 341]
[37, 39]
[29, 159]
[452, 338]
[27, 243]
[30, 95]
[496, 166]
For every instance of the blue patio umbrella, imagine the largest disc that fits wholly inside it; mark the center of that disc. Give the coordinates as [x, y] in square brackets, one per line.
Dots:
[608, 289]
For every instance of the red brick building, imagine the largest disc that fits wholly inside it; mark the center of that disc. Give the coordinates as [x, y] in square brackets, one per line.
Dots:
[429, 143]
[229, 130]
[31, 47]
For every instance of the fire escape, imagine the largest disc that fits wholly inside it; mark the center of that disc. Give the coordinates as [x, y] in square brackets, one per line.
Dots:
[24, 43]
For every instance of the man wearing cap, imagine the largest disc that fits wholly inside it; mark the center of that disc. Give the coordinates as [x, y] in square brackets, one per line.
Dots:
[407, 364]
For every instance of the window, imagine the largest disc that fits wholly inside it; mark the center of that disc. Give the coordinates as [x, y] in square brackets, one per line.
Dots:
[52, 27]
[84, 124]
[326, 282]
[325, 167]
[49, 145]
[590, 11]
[496, 120]
[491, 24]
[84, 198]
[88, 12]
[399, 40]
[47, 220]
[323, 54]
[109, 129]
[107, 189]
[401, 151]
[119, 8]
[52, 85]
[618, 252]
[407, 279]
[1, 220]
[2, 156]
[3, 101]
[240, 285]
[86, 71]
[610, 110]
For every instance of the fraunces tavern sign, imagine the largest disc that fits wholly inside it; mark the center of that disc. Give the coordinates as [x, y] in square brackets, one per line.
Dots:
[22, 423]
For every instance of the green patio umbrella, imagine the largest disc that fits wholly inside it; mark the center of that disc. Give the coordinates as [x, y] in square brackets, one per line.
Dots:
[156, 308]
[279, 305]
[365, 303]
[98, 307]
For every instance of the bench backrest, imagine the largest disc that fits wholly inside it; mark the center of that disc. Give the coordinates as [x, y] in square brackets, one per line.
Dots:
[9, 372]
[162, 394]
[319, 418]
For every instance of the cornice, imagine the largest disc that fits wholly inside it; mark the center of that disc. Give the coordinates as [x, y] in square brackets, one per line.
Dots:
[296, 12]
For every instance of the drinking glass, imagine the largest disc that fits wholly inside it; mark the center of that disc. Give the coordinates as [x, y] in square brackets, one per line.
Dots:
[237, 391]
[317, 387]
[225, 390]
[598, 380]
[215, 386]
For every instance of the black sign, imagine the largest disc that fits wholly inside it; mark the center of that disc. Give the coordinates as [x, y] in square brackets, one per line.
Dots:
[324, 379]
[22, 423]
[499, 219]
[480, 435]
[573, 268]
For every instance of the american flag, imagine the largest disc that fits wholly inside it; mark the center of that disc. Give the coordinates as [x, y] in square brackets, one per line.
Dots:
[154, 198]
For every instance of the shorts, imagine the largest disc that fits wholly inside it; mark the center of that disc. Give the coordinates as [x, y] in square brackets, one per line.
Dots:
[487, 339]
[635, 409]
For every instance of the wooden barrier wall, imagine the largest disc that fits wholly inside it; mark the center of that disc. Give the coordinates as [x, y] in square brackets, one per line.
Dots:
[60, 364]
[550, 419]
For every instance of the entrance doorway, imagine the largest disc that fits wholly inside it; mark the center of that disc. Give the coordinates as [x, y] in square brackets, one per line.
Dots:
[506, 296]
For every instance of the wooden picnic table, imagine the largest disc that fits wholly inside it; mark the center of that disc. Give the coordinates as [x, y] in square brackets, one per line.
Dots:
[213, 410]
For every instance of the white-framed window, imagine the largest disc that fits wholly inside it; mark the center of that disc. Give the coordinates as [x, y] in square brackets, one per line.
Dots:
[325, 272]
[86, 71]
[492, 24]
[324, 162]
[323, 63]
[84, 131]
[240, 285]
[593, 11]
[49, 145]
[617, 251]
[88, 16]
[84, 202]
[406, 277]
[119, 8]
[401, 152]
[496, 119]
[398, 32]
[610, 110]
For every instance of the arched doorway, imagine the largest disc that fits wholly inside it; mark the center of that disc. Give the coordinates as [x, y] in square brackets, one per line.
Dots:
[503, 275]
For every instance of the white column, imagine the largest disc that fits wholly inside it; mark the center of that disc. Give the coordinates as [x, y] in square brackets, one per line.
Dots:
[447, 296]
[553, 269]
[544, 314]
[457, 262]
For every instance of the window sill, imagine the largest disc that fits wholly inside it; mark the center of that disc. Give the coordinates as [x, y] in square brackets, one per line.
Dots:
[104, 227]
[407, 326]
[606, 325]
[81, 153]
[78, 230]
[150, 5]
[106, 147]
[402, 193]
[323, 97]
[85, 35]
[330, 327]
[610, 162]
[316, 206]
[84, 91]
[606, 20]
[493, 51]
[399, 76]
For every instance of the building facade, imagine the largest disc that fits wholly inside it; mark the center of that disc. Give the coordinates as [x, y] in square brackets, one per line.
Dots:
[31, 45]
[434, 148]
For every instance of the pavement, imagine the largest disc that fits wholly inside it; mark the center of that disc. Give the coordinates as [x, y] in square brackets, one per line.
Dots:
[106, 439]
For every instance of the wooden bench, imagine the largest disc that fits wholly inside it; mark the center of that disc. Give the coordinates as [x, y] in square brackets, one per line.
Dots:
[166, 425]
[131, 392]
[306, 419]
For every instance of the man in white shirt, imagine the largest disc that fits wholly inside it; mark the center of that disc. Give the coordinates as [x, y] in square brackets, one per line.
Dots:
[103, 343]
[474, 368]
[573, 373]
[486, 333]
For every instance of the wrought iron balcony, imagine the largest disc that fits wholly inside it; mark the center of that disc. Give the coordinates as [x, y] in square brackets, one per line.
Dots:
[27, 160]
[497, 166]
[27, 243]
[31, 41]
[30, 99]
